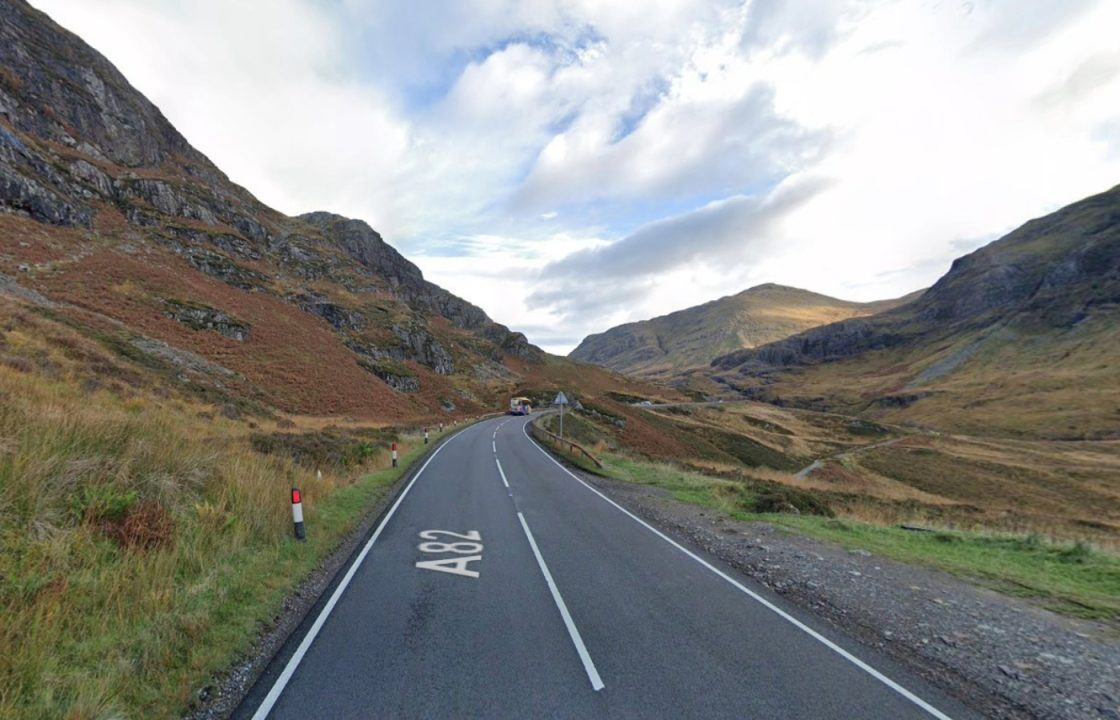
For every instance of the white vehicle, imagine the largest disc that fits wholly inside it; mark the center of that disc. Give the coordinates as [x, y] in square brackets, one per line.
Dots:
[520, 406]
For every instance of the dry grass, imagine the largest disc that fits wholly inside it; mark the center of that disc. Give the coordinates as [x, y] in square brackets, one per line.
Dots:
[1076, 578]
[1033, 383]
[888, 474]
[142, 545]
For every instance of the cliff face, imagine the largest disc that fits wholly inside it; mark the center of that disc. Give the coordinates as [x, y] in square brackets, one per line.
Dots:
[694, 336]
[1021, 336]
[364, 245]
[1051, 272]
[106, 209]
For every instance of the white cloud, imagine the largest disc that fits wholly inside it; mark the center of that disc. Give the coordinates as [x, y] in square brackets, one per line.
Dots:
[936, 142]
[715, 234]
[636, 152]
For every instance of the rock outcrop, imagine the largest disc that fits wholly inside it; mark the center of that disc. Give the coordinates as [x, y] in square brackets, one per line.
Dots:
[84, 154]
[1051, 272]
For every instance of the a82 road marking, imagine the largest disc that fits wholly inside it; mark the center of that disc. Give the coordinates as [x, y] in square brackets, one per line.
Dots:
[465, 547]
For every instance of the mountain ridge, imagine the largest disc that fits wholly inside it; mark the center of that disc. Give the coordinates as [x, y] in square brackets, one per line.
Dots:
[1019, 336]
[692, 337]
[107, 211]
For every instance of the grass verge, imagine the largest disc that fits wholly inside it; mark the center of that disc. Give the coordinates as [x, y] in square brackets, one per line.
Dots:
[1072, 578]
[144, 544]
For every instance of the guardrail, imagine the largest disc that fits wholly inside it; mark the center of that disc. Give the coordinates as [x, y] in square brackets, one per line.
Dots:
[560, 443]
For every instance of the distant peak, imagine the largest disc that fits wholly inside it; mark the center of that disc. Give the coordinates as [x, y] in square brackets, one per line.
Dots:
[772, 288]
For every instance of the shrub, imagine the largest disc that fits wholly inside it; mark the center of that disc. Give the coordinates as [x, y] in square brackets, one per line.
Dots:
[1078, 553]
[326, 448]
[145, 526]
[102, 503]
[774, 498]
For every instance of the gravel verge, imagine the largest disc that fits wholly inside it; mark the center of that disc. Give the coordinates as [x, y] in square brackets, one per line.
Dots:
[1006, 657]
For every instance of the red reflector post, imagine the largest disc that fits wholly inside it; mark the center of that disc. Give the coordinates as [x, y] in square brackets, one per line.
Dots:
[297, 513]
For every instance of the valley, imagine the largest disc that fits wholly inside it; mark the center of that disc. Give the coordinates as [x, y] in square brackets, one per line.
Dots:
[889, 475]
[177, 357]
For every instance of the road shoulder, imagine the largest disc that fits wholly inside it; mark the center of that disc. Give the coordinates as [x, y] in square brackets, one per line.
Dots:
[278, 639]
[1002, 656]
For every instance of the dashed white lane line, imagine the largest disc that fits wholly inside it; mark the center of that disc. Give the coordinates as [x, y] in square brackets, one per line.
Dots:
[281, 682]
[502, 472]
[755, 596]
[573, 632]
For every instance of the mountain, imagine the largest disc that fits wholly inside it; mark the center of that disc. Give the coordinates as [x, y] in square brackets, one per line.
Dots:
[1021, 336]
[694, 336]
[111, 222]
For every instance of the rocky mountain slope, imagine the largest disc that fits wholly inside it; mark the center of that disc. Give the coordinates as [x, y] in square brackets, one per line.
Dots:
[694, 336]
[111, 221]
[1022, 335]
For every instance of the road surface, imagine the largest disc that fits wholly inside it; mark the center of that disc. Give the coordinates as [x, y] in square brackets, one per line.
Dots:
[502, 586]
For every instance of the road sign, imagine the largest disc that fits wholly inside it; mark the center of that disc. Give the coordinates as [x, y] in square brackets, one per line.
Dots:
[561, 400]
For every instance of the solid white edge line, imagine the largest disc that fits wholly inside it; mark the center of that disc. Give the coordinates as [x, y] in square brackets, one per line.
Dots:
[573, 632]
[502, 472]
[766, 603]
[293, 662]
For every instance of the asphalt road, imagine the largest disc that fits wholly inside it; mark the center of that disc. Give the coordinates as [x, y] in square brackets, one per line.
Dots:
[502, 586]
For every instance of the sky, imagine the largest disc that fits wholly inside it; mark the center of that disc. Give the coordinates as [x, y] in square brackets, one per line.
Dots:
[570, 165]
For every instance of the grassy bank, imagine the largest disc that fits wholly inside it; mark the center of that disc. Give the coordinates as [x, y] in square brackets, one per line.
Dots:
[144, 541]
[1072, 578]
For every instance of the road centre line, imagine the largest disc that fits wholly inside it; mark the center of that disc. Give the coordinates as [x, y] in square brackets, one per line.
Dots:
[750, 593]
[573, 632]
[293, 662]
[502, 472]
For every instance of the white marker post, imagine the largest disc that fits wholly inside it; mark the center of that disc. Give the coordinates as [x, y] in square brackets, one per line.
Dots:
[393, 449]
[425, 436]
[297, 513]
[561, 400]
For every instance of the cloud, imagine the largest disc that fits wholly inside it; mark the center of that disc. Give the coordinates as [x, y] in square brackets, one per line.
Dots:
[266, 95]
[723, 232]
[1007, 24]
[694, 143]
[718, 231]
[809, 26]
[1095, 72]
[572, 164]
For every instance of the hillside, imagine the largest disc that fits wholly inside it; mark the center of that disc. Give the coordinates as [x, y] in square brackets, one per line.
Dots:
[1020, 337]
[111, 222]
[175, 357]
[694, 336]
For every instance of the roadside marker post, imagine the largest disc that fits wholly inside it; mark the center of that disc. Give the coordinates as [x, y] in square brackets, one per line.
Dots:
[561, 400]
[297, 513]
[425, 436]
[393, 449]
